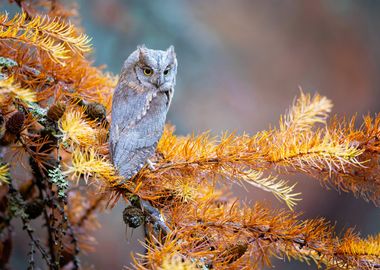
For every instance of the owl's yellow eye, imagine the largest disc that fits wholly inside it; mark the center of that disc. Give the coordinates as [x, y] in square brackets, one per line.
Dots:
[148, 71]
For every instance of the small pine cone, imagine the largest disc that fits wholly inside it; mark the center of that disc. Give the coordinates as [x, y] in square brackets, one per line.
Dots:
[133, 216]
[7, 138]
[56, 111]
[96, 111]
[34, 208]
[15, 123]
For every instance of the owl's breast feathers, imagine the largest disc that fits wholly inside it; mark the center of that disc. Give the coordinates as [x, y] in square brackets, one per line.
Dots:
[138, 120]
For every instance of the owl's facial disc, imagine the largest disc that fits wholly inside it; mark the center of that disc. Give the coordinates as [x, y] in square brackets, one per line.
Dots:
[157, 69]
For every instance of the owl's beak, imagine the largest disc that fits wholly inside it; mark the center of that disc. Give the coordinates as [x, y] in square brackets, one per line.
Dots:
[159, 81]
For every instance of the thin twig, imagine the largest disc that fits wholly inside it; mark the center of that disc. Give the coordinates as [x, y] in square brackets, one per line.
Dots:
[50, 229]
[31, 256]
[30, 230]
[155, 214]
[76, 246]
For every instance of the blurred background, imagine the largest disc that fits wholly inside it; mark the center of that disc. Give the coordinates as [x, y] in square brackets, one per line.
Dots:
[241, 64]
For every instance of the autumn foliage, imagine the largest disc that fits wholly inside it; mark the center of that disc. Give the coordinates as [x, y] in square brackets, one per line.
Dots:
[55, 114]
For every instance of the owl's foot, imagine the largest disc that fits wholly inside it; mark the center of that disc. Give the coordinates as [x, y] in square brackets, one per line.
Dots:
[151, 165]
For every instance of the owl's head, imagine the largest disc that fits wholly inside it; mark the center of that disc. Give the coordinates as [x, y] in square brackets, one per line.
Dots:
[153, 69]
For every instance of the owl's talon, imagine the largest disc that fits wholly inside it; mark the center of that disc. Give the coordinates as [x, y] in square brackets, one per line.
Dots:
[151, 165]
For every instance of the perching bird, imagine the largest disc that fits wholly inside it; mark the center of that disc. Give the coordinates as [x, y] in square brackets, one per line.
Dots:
[140, 103]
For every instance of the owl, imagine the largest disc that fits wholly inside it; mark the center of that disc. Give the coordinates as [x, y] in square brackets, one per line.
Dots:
[140, 103]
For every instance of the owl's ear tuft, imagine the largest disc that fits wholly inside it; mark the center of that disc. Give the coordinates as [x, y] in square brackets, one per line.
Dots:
[170, 51]
[142, 52]
[141, 47]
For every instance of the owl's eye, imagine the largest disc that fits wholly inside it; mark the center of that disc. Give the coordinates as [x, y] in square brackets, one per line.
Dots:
[148, 71]
[166, 71]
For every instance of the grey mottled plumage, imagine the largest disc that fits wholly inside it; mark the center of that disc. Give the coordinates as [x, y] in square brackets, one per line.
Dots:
[140, 103]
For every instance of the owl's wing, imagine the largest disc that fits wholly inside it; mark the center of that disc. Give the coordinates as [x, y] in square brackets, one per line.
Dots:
[132, 151]
[133, 142]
